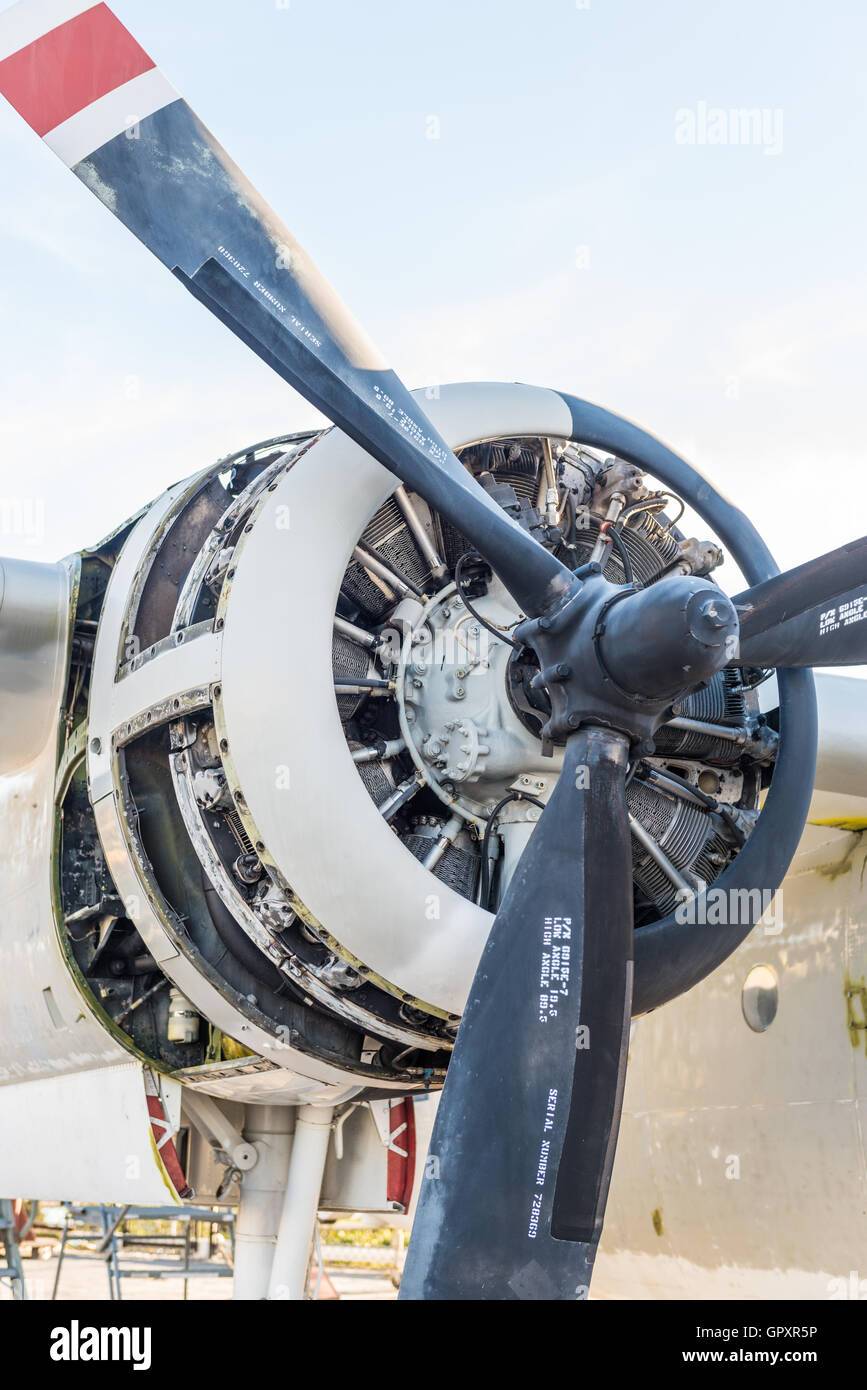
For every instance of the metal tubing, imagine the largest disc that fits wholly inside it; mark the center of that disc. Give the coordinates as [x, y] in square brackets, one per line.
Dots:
[700, 726]
[548, 495]
[362, 685]
[433, 857]
[603, 540]
[301, 1203]
[381, 752]
[647, 842]
[420, 535]
[659, 779]
[386, 573]
[400, 797]
[355, 633]
[269, 1129]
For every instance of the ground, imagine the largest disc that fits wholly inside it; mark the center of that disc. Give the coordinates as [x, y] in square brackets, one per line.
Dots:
[84, 1279]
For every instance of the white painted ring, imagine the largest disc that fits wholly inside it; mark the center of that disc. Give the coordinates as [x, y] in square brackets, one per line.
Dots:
[322, 830]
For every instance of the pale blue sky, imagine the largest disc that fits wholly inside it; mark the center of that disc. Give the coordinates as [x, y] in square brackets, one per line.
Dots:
[720, 300]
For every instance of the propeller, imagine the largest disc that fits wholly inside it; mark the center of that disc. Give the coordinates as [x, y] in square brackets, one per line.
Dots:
[814, 615]
[543, 1038]
[172, 184]
[514, 1197]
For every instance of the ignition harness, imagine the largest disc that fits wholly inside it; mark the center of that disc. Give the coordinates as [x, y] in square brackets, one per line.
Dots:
[485, 894]
[500, 632]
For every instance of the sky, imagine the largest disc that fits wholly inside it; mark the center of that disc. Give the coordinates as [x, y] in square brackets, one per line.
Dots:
[553, 192]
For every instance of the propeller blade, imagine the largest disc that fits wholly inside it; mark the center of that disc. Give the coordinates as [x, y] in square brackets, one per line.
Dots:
[517, 1175]
[75, 74]
[814, 615]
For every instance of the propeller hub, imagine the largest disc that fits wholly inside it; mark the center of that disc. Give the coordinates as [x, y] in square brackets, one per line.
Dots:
[617, 657]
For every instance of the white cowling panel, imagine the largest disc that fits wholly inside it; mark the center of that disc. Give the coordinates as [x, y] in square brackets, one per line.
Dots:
[34, 623]
[323, 830]
[84, 1138]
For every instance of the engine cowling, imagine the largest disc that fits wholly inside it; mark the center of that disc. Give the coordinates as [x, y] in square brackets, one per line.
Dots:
[290, 732]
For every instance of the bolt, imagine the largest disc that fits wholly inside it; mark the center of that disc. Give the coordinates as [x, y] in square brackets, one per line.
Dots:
[710, 611]
[574, 721]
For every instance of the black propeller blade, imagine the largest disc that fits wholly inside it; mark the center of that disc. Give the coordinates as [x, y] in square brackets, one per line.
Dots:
[814, 615]
[523, 1144]
[170, 182]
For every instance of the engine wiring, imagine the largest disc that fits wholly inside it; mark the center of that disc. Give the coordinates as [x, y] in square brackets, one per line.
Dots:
[485, 884]
[612, 533]
[647, 504]
[759, 679]
[501, 633]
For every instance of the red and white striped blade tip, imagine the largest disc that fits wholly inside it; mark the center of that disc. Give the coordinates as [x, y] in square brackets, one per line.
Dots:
[76, 75]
